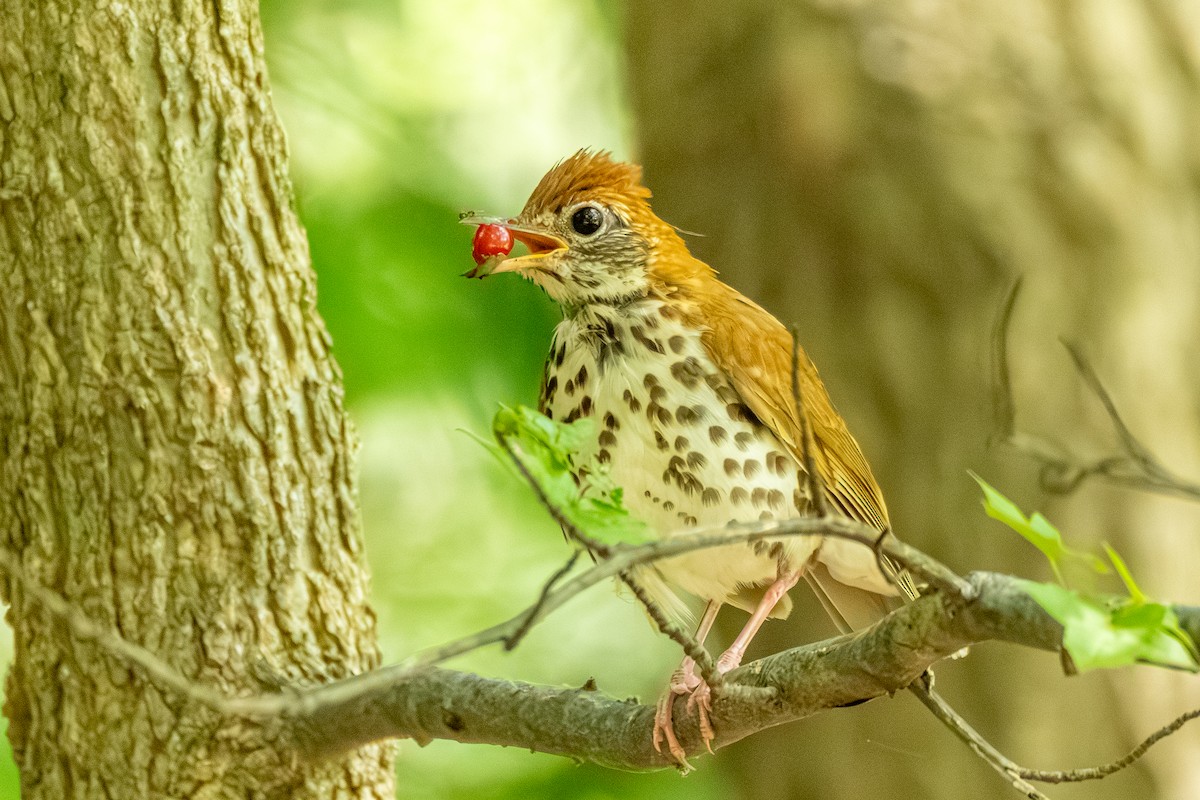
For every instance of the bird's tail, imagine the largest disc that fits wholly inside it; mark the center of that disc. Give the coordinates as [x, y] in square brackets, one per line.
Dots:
[850, 607]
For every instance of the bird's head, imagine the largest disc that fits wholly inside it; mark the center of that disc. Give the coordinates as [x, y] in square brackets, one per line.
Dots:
[591, 235]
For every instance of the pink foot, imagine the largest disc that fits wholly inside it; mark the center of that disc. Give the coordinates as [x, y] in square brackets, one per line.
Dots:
[684, 681]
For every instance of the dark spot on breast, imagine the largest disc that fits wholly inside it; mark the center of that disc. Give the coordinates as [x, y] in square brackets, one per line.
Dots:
[766, 515]
[711, 497]
[800, 500]
[581, 376]
[732, 467]
[611, 422]
[727, 393]
[688, 483]
[682, 443]
[634, 404]
[560, 353]
[552, 386]
[778, 463]
[572, 416]
[743, 440]
[569, 388]
[686, 415]
[649, 380]
[657, 393]
[653, 345]
[607, 439]
[668, 506]
[647, 493]
[668, 312]
[775, 499]
[751, 468]
[655, 411]
[739, 412]
[651, 321]
[696, 460]
[585, 405]
[676, 342]
[717, 434]
[738, 496]
[759, 497]
[603, 456]
[676, 463]
[687, 372]
[661, 441]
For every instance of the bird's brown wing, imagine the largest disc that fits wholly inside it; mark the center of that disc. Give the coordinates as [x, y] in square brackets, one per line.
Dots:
[755, 350]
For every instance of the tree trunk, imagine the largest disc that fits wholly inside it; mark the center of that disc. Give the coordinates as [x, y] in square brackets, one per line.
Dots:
[879, 172]
[177, 462]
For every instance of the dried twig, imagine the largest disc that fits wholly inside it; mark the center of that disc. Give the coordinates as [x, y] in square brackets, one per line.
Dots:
[1062, 472]
[812, 476]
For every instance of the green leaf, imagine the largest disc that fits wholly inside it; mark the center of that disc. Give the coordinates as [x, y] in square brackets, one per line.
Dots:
[1099, 634]
[1037, 530]
[552, 455]
[1119, 563]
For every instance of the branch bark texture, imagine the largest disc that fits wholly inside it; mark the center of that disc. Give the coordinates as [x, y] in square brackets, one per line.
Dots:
[434, 703]
[176, 459]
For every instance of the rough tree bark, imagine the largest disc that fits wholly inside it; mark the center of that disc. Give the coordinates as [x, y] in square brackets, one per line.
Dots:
[176, 459]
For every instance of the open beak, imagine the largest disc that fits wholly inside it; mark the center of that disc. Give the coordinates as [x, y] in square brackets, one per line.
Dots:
[539, 243]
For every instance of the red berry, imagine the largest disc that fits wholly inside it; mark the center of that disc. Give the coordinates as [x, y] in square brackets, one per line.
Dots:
[491, 240]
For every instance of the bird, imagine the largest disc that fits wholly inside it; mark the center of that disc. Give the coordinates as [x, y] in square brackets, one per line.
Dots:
[689, 384]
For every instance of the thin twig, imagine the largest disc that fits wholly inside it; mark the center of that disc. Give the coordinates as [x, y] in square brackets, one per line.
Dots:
[1062, 472]
[511, 641]
[156, 669]
[691, 646]
[1014, 773]
[813, 478]
[1104, 770]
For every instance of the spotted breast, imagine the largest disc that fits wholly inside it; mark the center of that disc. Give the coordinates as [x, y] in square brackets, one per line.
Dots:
[687, 451]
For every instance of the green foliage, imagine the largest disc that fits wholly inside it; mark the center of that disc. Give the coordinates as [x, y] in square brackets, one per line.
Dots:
[549, 453]
[1036, 529]
[1098, 632]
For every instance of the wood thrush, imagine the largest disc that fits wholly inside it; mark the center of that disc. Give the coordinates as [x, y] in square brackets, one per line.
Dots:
[690, 385]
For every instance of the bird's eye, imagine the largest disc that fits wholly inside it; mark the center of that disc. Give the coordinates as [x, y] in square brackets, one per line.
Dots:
[587, 220]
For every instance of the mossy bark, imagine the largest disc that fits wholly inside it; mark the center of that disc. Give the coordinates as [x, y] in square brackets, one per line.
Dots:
[177, 461]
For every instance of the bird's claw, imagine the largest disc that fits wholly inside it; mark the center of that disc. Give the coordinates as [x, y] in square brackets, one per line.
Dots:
[698, 699]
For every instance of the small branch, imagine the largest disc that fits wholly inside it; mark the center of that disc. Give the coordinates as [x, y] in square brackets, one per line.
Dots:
[1014, 773]
[1134, 466]
[511, 641]
[690, 645]
[812, 476]
[1095, 773]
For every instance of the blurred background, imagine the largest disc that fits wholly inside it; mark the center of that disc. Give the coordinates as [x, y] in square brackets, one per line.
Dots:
[876, 172]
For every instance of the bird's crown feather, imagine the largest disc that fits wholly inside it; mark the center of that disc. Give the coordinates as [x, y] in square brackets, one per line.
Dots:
[591, 175]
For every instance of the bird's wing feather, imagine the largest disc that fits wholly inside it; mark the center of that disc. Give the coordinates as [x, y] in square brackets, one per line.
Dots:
[754, 350]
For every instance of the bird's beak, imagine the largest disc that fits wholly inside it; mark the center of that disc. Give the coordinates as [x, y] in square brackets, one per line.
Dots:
[539, 243]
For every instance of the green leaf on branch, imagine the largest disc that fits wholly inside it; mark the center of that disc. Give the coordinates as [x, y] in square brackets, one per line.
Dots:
[551, 455]
[1101, 633]
[1037, 530]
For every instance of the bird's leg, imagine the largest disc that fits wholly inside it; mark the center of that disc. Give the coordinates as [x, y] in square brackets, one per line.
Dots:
[683, 681]
[732, 657]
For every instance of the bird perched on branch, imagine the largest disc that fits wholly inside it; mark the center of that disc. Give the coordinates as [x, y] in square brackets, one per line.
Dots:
[690, 384]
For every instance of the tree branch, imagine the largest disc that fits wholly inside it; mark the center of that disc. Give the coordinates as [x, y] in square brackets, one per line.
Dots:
[434, 703]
